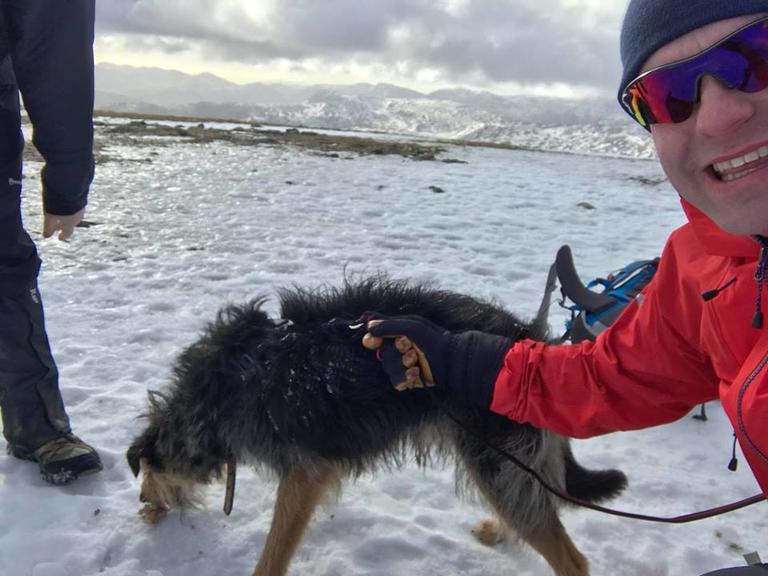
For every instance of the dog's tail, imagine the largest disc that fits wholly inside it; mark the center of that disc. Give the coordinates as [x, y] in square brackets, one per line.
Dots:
[592, 485]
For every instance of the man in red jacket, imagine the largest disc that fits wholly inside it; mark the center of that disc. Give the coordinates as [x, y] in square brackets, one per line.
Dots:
[695, 75]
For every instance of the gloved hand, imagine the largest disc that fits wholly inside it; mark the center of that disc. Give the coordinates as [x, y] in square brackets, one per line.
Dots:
[416, 352]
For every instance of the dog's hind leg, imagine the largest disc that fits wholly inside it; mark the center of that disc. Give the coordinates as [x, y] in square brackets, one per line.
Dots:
[549, 539]
[299, 493]
[557, 548]
[546, 535]
[489, 531]
[519, 503]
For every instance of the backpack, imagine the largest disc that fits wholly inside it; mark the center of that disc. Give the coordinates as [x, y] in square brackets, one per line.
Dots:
[593, 311]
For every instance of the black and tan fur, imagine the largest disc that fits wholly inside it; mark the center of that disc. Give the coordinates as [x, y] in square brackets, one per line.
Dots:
[303, 398]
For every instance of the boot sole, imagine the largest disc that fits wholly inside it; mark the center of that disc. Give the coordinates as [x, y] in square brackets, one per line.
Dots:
[69, 471]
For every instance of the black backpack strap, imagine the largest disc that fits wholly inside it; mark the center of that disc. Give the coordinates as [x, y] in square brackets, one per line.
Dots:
[574, 288]
[540, 324]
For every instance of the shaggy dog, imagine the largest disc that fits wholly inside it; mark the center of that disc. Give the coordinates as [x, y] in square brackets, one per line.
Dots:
[302, 397]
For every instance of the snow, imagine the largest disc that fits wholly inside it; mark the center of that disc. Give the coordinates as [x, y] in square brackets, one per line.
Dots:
[182, 229]
[593, 125]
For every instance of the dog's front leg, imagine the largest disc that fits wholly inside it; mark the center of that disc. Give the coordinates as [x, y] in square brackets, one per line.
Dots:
[298, 494]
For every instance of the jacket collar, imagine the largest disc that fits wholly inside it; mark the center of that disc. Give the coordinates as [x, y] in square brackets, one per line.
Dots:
[716, 241]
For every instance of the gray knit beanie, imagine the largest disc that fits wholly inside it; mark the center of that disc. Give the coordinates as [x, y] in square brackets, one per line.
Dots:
[650, 24]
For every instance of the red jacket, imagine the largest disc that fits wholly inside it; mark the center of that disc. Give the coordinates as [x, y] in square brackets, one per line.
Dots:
[668, 351]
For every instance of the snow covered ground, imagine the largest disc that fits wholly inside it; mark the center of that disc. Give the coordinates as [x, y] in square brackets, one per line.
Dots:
[181, 229]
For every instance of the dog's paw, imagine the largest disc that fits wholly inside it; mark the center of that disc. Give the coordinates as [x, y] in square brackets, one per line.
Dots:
[489, 531]
[152, 514]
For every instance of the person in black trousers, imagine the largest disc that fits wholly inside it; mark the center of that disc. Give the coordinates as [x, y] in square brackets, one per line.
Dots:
[46, 53]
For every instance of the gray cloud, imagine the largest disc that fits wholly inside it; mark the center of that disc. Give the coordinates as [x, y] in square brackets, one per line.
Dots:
[524, 41]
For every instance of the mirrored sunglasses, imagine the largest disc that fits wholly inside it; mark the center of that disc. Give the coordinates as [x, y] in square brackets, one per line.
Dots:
[668, 94]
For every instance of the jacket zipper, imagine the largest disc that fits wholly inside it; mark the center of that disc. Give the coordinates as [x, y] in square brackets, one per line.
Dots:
[739, 411]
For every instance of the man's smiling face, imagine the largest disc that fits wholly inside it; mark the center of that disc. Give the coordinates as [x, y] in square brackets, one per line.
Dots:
[718, 158]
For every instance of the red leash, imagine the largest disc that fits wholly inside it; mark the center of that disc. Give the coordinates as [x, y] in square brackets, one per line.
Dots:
[685, 518]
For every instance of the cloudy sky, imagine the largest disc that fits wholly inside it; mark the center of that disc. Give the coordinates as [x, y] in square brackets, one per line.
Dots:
[568, 47]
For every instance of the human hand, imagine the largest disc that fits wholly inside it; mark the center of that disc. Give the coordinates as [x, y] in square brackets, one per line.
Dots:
[412, 350]
[65, 224]
[417, 353]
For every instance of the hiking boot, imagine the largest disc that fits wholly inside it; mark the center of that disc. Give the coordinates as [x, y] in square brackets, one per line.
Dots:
[64, 459]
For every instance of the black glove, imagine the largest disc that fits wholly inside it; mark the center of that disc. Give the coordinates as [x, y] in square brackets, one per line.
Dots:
[466, 363]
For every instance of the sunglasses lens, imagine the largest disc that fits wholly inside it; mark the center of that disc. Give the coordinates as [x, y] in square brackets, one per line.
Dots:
[663, 97]
[669, 94]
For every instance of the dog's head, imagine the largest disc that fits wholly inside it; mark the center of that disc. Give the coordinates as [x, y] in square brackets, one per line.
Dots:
[162, 489]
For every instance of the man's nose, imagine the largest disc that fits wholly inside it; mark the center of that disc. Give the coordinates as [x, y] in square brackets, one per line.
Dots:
[722, 109]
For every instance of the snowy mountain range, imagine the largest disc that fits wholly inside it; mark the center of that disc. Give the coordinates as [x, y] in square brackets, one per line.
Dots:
[589, 126]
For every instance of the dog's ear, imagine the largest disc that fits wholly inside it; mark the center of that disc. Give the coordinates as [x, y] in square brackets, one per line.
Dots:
[142, 447]
[134, 456]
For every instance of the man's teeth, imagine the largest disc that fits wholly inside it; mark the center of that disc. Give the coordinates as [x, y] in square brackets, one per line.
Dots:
[734, 175]
[729, 170]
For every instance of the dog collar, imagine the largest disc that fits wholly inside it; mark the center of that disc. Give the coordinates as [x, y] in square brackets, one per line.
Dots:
[229, 496]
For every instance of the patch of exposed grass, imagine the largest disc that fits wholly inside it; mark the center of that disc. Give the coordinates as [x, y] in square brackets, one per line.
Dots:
[145, 132]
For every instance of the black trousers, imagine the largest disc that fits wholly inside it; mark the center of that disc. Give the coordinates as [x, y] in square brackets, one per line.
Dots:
[30, 401]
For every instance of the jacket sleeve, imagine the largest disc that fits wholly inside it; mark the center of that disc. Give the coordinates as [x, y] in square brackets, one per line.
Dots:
[645, 370]
[52, 52]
